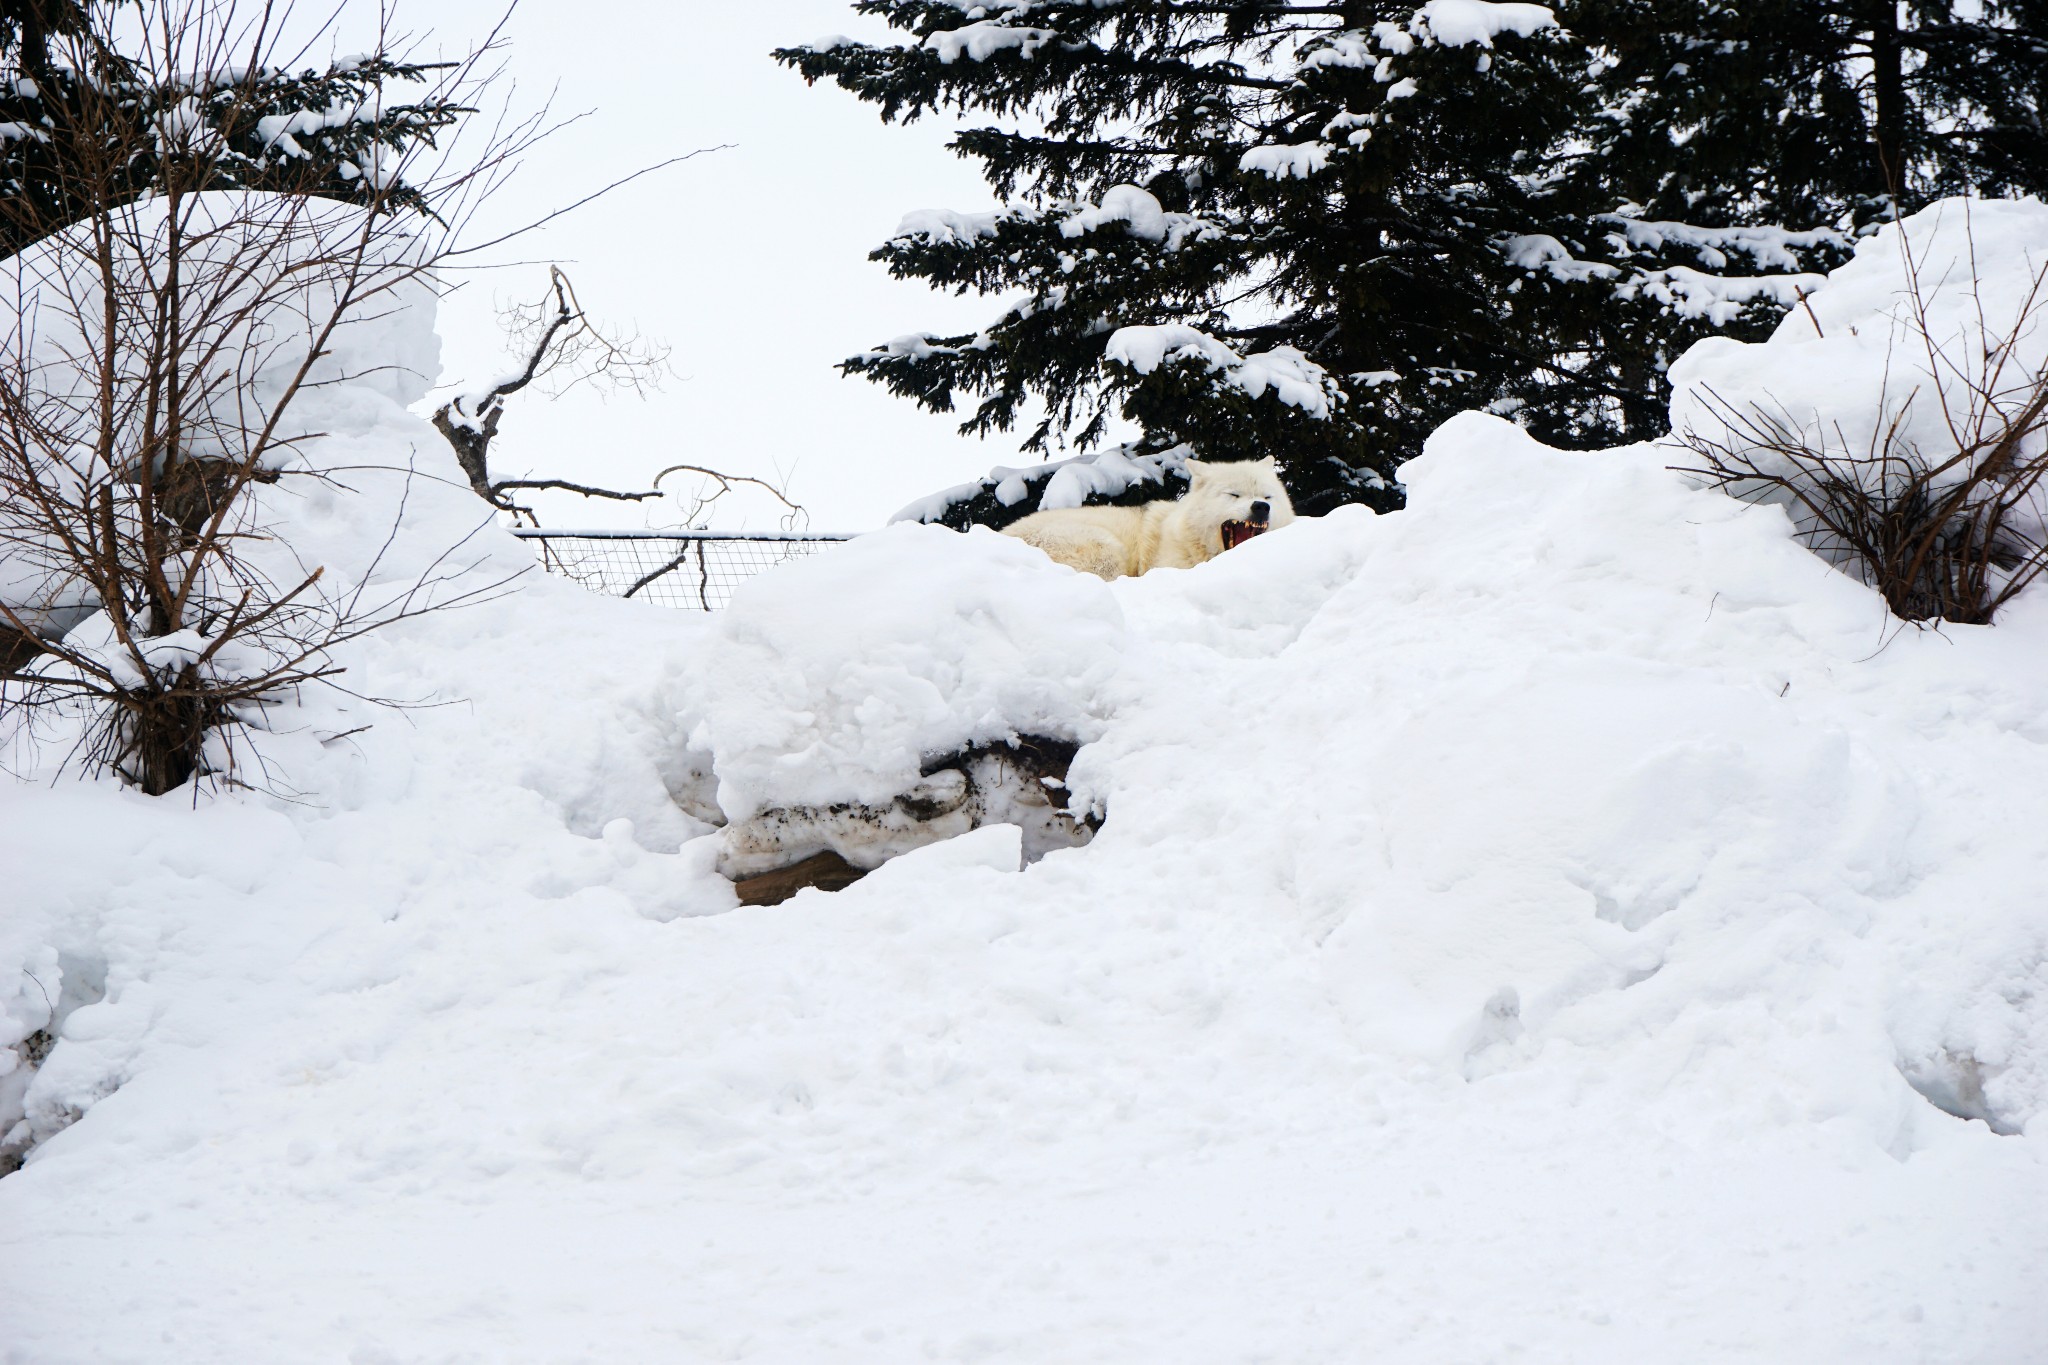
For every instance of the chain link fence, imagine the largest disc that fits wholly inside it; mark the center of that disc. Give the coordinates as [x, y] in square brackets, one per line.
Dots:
[691, 570]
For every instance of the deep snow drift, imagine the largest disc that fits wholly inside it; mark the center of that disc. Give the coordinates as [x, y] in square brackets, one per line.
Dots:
[1540, 925]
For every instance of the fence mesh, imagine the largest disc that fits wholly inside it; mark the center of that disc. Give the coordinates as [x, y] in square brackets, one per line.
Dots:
[693, 570]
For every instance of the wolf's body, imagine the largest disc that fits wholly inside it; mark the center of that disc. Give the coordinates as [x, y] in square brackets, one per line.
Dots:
[1225, 504]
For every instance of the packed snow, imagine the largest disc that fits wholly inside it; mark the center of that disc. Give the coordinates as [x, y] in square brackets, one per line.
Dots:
[983, 39]
[1291, 376]
[1565, 920]
[1297, 161]
[1064, 483]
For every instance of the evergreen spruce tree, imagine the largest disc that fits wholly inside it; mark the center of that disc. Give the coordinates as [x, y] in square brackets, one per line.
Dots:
[1315, 230]
[320, 132]
[1817, 112]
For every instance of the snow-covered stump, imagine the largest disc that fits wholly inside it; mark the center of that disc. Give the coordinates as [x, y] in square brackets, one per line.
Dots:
[955, 699]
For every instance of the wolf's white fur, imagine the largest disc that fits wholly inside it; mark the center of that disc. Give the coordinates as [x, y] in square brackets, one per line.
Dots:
[1113, 542]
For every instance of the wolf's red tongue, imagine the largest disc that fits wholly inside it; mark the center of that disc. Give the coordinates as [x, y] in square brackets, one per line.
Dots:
[1236, 533]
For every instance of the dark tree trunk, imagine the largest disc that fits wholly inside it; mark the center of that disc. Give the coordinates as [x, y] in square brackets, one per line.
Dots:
[1888, 96]
[472, 443]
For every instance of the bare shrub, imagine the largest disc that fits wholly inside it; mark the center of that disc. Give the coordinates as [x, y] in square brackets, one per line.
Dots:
[156, 364]
[1945, 518]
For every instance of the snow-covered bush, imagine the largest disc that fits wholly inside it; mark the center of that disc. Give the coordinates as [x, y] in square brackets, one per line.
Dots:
[156, 364]
[163, 357]
[1902, 414]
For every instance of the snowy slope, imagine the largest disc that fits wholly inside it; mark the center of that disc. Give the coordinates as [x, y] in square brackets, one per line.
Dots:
[1517, 933]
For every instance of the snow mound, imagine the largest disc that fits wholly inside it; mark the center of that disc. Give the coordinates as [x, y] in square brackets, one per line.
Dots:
[383, 355]
[929, 642]
[1563, 918]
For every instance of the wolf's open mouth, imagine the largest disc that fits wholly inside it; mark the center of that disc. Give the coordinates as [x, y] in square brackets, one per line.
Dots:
[1236, 533]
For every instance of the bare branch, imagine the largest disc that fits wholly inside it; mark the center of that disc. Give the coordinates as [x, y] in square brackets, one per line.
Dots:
[559, 346]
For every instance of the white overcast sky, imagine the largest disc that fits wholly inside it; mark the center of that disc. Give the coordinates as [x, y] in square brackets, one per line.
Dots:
[752, 262]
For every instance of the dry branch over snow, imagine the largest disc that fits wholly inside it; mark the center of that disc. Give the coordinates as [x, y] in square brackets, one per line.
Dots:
[561, 347]
[555, 340]
[1933, 493]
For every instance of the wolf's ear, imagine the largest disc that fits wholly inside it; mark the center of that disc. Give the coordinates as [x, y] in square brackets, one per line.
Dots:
[1271, 463]
[1197, 470]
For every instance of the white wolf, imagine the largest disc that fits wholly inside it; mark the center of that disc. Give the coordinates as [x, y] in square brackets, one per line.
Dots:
[1225, 505]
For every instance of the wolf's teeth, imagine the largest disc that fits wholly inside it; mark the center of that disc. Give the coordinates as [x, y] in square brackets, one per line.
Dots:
[1236, 533]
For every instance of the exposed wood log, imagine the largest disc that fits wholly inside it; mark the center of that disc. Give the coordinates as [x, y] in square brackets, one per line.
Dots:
[827, 871]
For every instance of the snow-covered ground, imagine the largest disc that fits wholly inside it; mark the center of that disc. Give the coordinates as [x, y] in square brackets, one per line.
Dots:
[1537, 926]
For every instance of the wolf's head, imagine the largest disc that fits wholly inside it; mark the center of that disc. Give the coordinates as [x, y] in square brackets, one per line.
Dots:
[1228, 504]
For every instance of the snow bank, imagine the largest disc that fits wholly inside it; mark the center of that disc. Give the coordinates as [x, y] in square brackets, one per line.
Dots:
[376, 358]
[1565, 918]
[368, 493]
